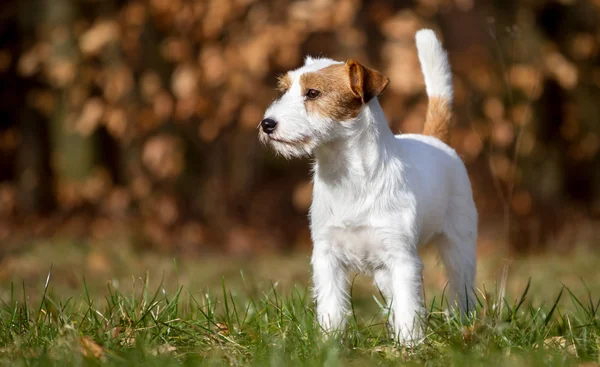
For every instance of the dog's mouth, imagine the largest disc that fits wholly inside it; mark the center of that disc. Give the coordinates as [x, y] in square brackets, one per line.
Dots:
[289, 148]
[302, 141]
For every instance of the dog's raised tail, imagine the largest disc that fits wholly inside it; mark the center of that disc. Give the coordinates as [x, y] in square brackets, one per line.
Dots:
[438, 82]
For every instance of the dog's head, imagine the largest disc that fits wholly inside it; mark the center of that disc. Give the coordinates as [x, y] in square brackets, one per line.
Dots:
[319, 103]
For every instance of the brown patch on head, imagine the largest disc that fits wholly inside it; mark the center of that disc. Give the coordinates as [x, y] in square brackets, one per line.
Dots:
[284, 82]
[343, 88]
[336, 99]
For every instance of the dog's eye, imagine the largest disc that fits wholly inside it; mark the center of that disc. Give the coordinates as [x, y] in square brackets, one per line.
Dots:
[312, 94]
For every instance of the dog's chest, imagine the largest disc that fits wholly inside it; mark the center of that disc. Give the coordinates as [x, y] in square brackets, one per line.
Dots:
[358, 248]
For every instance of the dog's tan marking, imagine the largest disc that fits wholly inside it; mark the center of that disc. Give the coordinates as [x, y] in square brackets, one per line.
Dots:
[336, 100]
[284, 83]
[344, 88]
[437, 123]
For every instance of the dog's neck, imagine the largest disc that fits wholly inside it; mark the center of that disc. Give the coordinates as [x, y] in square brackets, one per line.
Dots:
[361, 155]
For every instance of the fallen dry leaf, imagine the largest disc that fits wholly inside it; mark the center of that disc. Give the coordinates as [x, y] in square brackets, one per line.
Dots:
[163, 349]
[557, 342]
[91, 349]
[221, 328]
[116, 331]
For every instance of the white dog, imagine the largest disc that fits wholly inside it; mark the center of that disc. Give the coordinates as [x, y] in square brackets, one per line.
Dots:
[377, 197]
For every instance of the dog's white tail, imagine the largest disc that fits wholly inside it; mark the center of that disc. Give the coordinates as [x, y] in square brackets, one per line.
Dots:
[438, 82]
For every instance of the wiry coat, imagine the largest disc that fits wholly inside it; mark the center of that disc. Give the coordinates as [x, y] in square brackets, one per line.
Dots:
[377, 197]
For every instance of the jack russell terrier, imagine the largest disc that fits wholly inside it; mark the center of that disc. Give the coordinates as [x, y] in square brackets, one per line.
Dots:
[377, 196]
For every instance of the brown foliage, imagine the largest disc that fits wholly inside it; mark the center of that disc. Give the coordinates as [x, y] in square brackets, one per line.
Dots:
[167, 94]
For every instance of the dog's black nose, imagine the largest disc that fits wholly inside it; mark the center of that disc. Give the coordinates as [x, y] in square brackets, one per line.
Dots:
[268, 125]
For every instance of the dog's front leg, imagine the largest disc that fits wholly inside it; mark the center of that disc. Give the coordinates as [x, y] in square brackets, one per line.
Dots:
[330, 290]
[406, 303]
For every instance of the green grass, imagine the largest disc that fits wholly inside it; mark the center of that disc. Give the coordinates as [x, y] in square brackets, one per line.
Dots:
[198, 312]
[153, 327]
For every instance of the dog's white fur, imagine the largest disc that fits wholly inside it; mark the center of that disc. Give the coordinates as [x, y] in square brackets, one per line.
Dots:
[378, 197]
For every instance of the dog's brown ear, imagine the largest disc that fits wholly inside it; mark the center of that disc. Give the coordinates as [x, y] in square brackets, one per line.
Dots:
[365, 82]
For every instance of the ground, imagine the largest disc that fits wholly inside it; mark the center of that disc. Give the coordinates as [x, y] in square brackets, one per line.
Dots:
[107, 303]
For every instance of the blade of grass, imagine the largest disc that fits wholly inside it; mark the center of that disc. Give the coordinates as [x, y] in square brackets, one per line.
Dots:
[554, 306]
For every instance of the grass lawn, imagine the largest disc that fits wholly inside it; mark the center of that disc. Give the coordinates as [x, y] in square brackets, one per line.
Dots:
[104, 303]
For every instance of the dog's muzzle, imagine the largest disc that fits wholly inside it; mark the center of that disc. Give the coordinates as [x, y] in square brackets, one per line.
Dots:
[268, 126]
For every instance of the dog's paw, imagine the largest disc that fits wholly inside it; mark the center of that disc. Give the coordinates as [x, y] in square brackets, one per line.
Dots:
[408, 338]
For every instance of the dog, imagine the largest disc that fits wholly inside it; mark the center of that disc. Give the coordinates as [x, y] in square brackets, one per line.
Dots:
[377, 196]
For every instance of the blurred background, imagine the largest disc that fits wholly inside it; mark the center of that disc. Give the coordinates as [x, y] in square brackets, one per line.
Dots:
[134, 122]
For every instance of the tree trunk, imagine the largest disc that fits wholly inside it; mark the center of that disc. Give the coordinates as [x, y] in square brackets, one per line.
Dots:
[33, 174]
[72, 153]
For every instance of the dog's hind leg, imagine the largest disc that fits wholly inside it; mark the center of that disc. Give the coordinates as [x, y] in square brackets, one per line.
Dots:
[457, 249]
